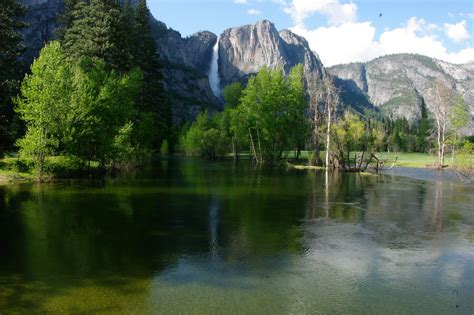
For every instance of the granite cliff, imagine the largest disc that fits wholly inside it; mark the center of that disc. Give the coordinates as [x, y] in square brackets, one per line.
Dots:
[398, 84]
[185, 60]
[245, 50]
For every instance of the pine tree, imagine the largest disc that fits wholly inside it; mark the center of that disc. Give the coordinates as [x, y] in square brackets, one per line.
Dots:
[422, 136]
[66, 18]
[152, 100]
[11, 48]
[93, 29]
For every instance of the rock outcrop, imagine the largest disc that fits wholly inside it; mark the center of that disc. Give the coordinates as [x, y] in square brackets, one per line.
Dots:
[185, 60]
[194, 51]
[245, 50]
[398, 84]
[42, 20]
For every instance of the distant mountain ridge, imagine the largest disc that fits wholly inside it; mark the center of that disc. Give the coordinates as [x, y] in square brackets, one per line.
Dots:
[398, 84]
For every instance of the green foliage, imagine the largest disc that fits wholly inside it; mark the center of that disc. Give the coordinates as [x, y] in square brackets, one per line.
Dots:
[164, 150]
[102, 106]
[120, 37]
[43, 104]
[204, 137]
[232, 94]
[154, 108]
[79, 110]
[11, 47]
[459, 116]
[352, 135]
[271, 115]
[94, 31]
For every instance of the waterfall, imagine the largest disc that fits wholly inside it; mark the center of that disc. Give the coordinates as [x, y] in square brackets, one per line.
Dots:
[214, 71]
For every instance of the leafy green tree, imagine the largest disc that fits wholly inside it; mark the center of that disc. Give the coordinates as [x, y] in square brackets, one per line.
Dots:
[11, 47]
[270, 109]
[101, 108]
[43, 104]
[232, 94]
[297, 106]
[355, 143]
[459, 118]
[83, 110]
[202, 138]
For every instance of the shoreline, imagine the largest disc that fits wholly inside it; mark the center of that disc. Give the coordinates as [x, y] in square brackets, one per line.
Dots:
[415, 172]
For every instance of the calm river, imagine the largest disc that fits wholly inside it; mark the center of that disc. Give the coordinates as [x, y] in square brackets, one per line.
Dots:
[191, 237]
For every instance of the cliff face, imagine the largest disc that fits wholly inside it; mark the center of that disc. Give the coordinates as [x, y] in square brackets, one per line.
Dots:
[398, 84]
[42, 19]
[185, 60]
[245, 50]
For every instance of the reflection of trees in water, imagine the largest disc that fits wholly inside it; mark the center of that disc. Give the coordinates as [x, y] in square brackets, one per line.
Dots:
[437, 214]
[337, 195]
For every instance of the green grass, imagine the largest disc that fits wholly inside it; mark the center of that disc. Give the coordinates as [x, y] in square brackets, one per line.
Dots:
[420, 160]
[416, 160]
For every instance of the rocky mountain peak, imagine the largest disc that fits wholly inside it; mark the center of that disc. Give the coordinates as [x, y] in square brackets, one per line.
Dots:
[245, 50]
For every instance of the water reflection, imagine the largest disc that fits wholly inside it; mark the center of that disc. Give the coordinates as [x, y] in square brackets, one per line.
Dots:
[188, 236]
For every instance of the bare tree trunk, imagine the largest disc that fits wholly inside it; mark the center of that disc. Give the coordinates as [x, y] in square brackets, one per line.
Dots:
[438, 125]
[328, 137]
[252, 147]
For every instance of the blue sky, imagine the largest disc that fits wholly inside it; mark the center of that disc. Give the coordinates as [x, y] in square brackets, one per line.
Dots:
[341, 31]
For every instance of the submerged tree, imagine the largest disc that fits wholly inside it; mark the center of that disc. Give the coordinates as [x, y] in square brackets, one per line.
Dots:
[440, 98]
[271, 113]
[356, 143]
[332, 102]
[316, 93]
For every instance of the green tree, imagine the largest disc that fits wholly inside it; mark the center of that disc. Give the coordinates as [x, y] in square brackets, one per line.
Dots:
[355, 143]
[83, 110]
[94, 30]
[459, 118]
[152, 102]
[11, 47]
[270, 109]
[101, 109]
[43, 104]
[297, 106]
[423, 131]
[232, 94]
[202, 138]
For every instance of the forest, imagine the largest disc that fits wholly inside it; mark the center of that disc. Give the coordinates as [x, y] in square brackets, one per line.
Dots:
[94, 101]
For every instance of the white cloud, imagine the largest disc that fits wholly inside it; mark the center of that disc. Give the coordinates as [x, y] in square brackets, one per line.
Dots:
[336, 12]
[457, 32]
[347, 40]
[254, 12]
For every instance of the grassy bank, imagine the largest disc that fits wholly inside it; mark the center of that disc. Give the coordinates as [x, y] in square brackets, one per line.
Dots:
[15, 170]
[416, 160]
